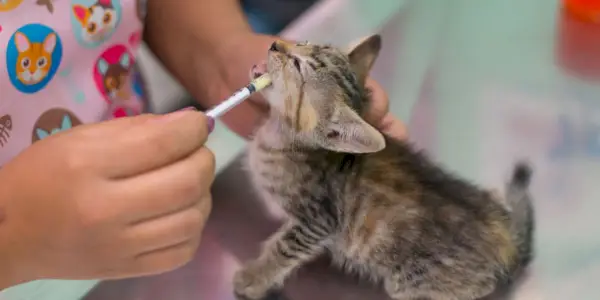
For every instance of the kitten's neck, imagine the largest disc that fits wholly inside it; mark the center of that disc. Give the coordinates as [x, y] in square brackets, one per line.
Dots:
[277, 133]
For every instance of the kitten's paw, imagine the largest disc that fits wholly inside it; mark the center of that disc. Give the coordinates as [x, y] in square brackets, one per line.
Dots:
[258, 70]
[250, 283]
[273, 295]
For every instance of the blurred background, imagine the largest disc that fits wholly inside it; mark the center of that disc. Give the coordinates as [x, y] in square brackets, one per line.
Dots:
[481, 83]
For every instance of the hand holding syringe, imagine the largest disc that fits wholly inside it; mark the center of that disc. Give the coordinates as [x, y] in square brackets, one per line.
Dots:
[238, 97]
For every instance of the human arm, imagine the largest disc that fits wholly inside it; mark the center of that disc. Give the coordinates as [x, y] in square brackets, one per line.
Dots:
[215, 48]
[213, 44]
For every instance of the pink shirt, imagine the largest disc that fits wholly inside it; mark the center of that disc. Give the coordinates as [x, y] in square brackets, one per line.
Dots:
[64, 63]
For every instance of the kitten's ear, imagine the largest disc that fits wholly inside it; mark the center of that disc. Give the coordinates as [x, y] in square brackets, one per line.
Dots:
[66, 123]
[50, 42]
[41, 133]
[363, 55]
[81, 13]
[350, 133]
[22, 42]
[125, 60]
[102, 66]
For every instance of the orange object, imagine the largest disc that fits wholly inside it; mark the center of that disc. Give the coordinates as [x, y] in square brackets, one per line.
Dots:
[585, 10]
[578, 40]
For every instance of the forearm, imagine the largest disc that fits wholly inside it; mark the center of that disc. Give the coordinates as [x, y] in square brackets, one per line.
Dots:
[180, 32]
[8, 264]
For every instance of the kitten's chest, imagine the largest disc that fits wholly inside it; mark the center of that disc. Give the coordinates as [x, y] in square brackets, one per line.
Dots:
[278, 173]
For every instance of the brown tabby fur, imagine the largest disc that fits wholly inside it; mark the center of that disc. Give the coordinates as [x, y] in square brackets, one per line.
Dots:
[377, 205]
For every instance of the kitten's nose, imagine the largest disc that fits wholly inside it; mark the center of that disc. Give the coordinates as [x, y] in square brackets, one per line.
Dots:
[278, 46]
[274, 47]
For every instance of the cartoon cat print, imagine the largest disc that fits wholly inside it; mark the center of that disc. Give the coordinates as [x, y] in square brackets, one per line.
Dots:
[7, 2]
[97, 21]
[46, 3]
[34, 59]
[64, 125]
[115, 78]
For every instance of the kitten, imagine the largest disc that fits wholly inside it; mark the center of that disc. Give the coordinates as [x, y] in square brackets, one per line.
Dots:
[35, 59]
[377, 205]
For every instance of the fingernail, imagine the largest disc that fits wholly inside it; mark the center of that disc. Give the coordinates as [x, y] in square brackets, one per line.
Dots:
[211, 124]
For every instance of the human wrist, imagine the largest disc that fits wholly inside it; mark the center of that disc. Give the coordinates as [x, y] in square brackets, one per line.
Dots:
[231, 59]
[190, 35]
[220, 68]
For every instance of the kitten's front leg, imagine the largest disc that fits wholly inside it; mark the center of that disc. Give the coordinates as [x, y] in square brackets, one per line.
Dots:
[292, 246]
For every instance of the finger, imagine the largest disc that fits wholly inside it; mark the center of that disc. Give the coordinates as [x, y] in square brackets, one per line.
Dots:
[101, 129]
[166, 259]
[172, 229]
[128, 121]
[124, 122]
[378, 102]
[393, 127]
[165, 190]
[153, 144]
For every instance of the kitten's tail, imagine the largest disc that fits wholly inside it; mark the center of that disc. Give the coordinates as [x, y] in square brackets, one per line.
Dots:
[522, 214]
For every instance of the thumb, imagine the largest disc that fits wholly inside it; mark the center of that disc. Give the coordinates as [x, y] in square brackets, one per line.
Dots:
[112, 126]
[125, 121]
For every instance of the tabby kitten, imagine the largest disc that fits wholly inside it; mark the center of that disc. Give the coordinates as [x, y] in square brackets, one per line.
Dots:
[378, 206]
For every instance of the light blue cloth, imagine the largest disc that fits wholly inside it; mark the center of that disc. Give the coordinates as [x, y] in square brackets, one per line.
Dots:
[272, 16]
[260, 21]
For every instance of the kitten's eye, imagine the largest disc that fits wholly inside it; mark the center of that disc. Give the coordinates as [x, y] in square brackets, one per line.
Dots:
[25, 62]
[91, 28]
[333, 134]
[107, 18]
[297, 64]
[41, 62]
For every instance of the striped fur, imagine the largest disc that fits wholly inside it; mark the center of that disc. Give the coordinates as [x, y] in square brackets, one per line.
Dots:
[378, 206]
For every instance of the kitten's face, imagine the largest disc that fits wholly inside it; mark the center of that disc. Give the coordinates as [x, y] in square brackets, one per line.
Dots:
[319, 90]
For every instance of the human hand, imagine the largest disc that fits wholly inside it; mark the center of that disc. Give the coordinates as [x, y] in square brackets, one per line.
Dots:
[236, 58]
[128, 197]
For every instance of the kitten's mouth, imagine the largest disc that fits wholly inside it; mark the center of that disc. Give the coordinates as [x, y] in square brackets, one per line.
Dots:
[259, 69]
